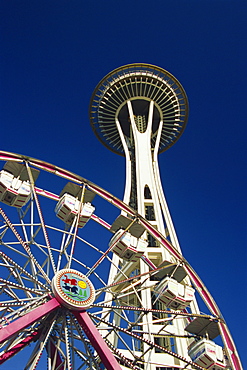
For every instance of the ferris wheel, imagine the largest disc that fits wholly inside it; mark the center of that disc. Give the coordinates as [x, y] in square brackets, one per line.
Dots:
[58, 237]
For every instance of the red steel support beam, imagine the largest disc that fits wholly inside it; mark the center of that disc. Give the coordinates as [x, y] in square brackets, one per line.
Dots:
[97, 341]
[18, 325]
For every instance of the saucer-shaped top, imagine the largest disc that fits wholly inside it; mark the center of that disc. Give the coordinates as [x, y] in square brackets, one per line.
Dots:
[139, 83]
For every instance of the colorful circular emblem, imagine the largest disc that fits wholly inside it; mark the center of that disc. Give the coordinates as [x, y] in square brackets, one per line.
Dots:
[73, 289]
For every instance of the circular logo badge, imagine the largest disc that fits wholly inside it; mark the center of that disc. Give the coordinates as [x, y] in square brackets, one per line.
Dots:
[73, 289]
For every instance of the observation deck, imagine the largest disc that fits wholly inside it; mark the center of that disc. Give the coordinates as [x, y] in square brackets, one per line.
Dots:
[140, 84]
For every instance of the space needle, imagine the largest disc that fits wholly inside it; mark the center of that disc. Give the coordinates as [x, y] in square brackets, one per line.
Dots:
[139, 111]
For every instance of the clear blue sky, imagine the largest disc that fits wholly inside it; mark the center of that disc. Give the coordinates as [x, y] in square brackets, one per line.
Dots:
[53, 53]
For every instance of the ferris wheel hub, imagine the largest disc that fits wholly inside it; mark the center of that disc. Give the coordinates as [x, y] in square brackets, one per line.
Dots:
[73, 289]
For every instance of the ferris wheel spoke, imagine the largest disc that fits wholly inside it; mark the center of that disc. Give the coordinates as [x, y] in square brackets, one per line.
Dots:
[92, 270]
[13, 350]
[97, 341]
[63, 247]
[57, 344]
[29, 318]
[137, 326]
[25, 246]
[41, 218]
[67, 343]
[122, 279]
[124, 336]
[55, 360]
[76, 227]
[105, 254]
[105, 285]
[20, 274]
[9, 309]
[13, 271]
[122, 358]
[88, 356]
[15, 248]
[40, 346]
[69, 237]
[13, 310]
[121, 337]
[172, 313]
[7, 286]
[30, 225]
[144, 340]
[99, 261]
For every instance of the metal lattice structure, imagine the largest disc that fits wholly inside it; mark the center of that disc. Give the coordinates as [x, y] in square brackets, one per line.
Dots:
[92, 282]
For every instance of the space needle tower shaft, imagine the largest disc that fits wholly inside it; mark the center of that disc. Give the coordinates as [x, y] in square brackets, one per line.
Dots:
[139, 111]
[143, 189]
